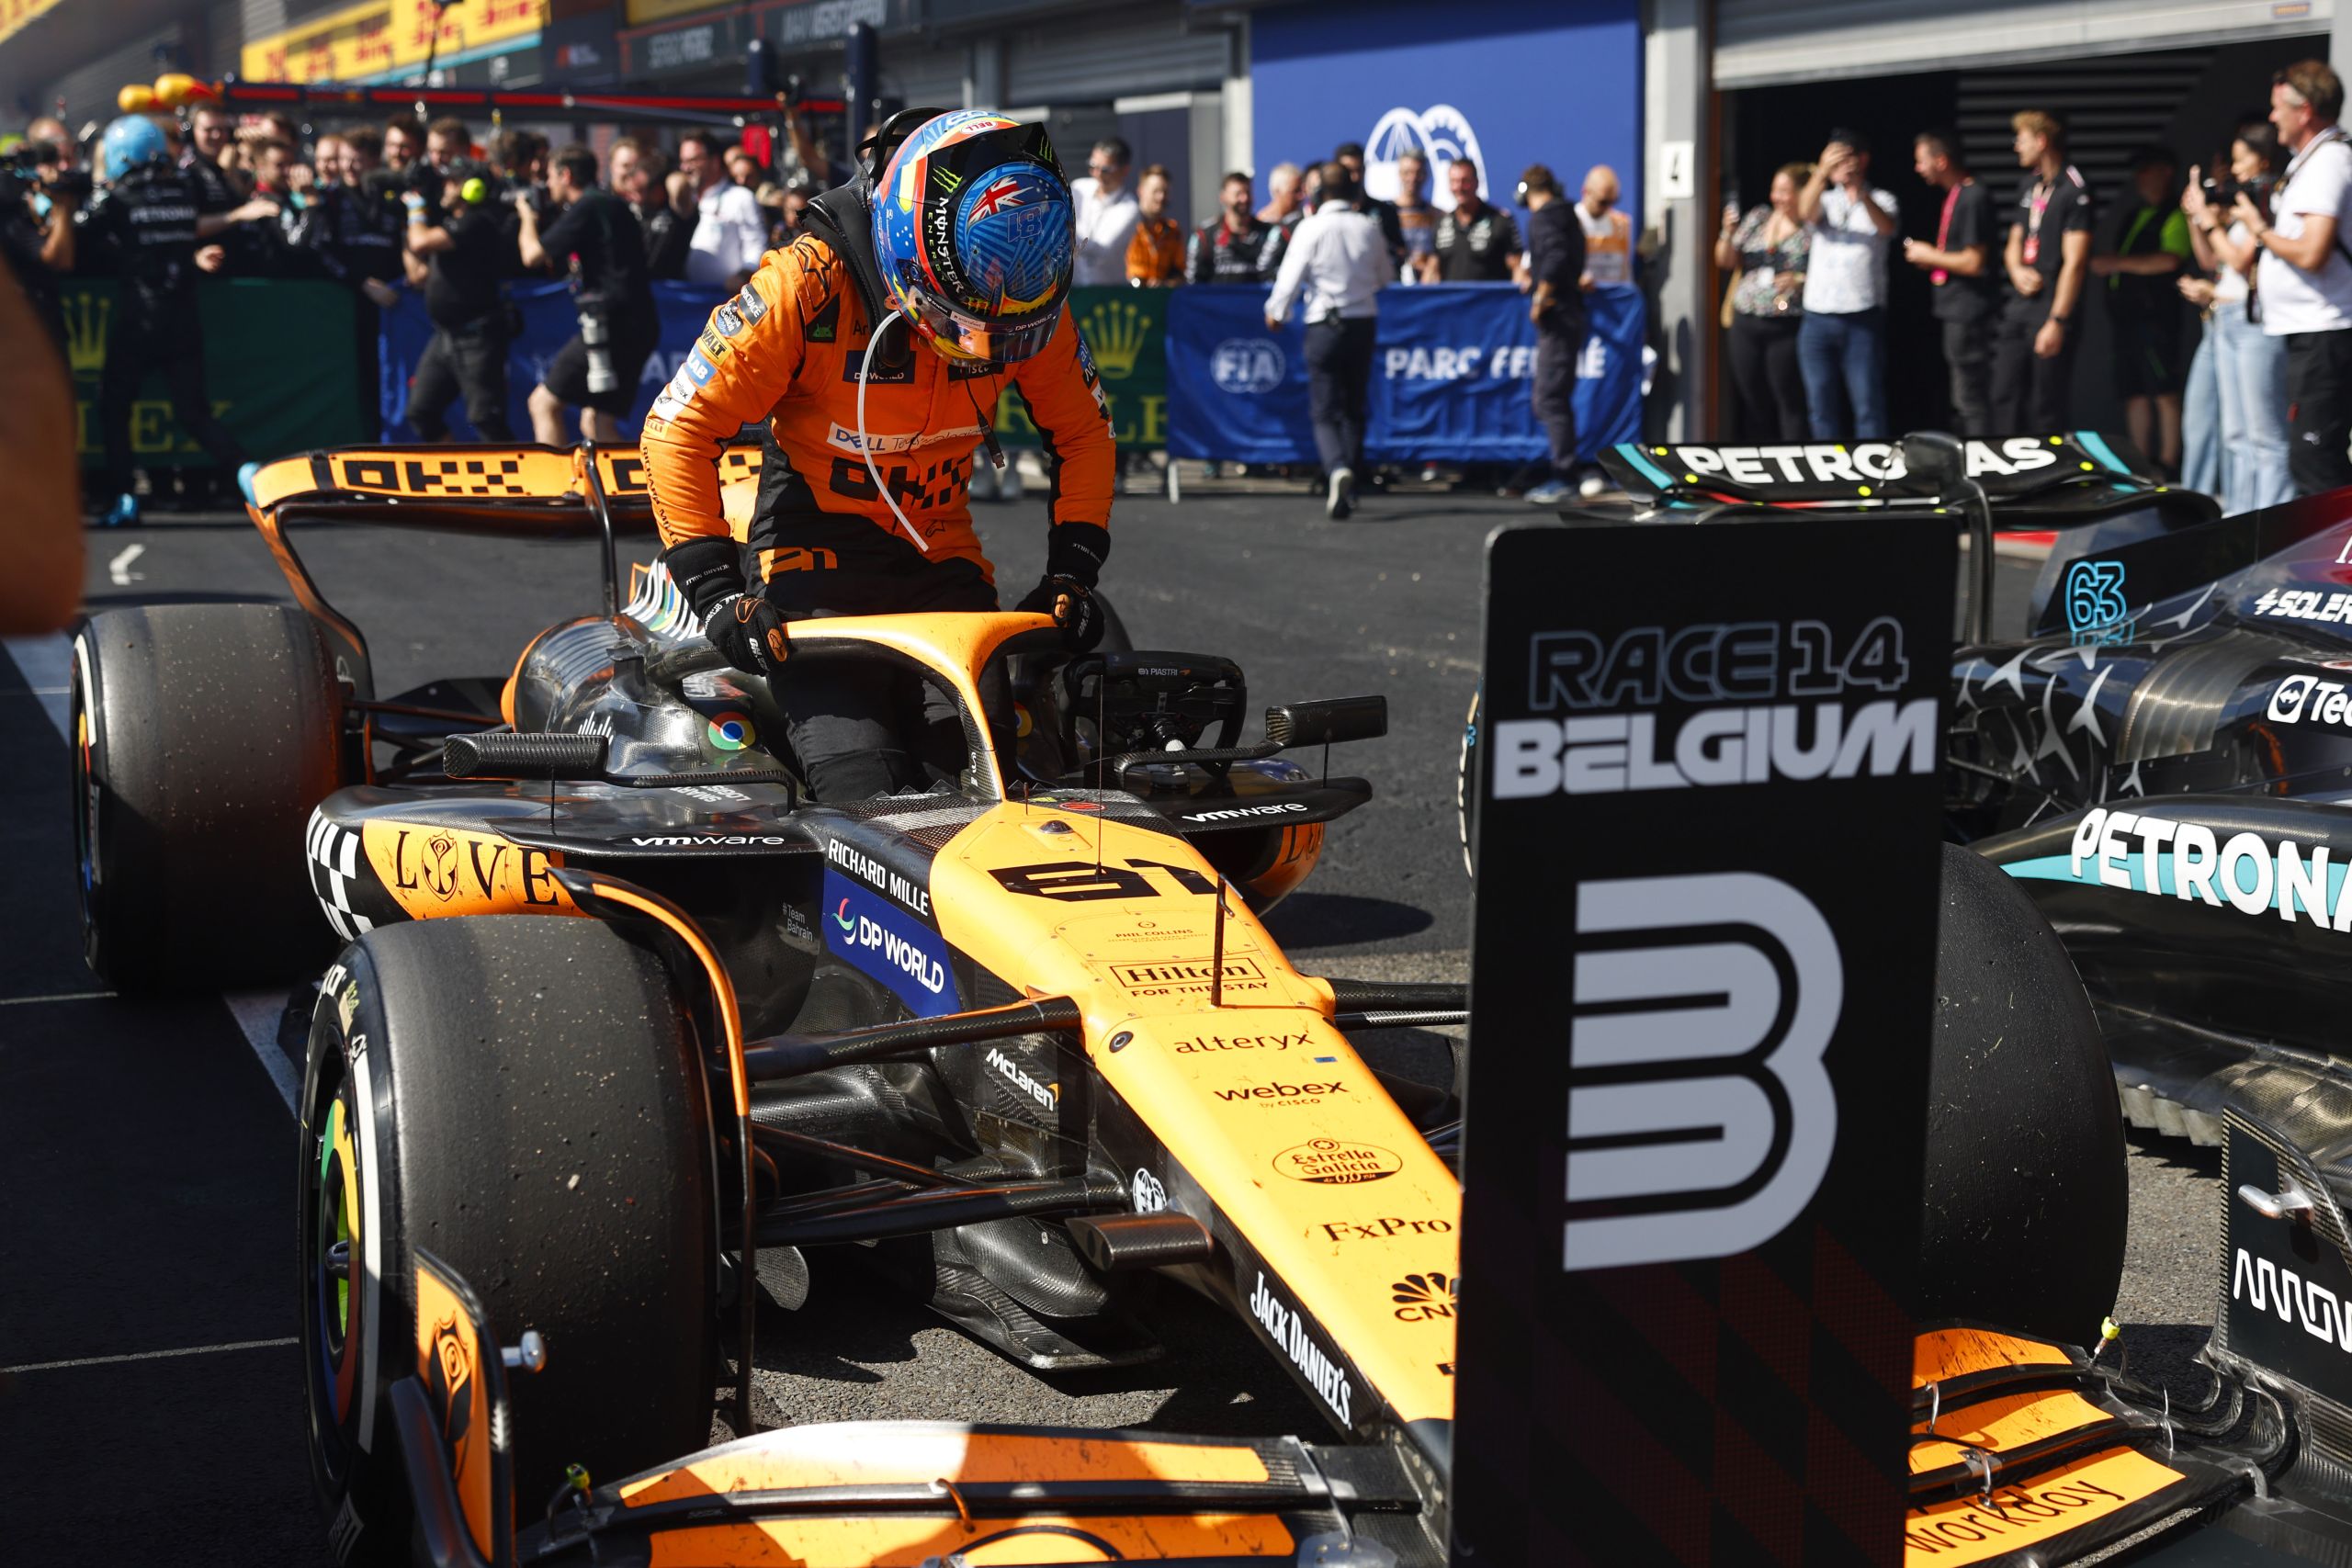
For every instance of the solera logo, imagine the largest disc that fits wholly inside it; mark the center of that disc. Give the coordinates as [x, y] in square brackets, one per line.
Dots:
[1713, 1124]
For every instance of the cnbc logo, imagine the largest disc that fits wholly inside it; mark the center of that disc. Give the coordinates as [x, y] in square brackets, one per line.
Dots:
[1116, 332]
[86, 333]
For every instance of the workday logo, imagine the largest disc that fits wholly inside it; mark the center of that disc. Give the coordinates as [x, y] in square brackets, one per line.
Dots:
[1248, 366]
[1440, 132]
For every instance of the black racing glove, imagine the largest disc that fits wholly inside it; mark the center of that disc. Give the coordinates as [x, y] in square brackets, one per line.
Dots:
[739, 623]
[1073, 607]
[1074, 556]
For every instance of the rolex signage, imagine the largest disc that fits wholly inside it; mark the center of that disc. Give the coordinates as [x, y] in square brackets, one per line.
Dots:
[278, 390]
[1125, 330]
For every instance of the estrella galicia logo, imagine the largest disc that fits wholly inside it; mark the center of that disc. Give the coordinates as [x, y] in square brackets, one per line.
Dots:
[889, 944]
[2096, 610]
[1249, 366]
[1701, 1117]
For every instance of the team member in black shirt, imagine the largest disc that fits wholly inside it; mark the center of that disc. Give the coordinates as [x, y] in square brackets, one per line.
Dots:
[1961, 268]
[596, 371]
[1554, 266]
[1230, 248]
[1475, 243]
[456, 255]
[148, 225]
[2048, 260]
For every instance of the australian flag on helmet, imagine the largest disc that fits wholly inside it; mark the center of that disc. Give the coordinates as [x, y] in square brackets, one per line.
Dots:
[972, 227]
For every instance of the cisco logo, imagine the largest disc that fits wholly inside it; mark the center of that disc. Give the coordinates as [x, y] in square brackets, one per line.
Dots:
[1440, 132]
[1249, 366]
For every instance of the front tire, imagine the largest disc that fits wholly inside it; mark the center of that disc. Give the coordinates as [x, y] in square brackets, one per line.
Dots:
[521, 1096]
[202, 735]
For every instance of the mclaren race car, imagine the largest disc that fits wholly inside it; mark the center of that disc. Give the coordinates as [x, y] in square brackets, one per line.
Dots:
[624, 1032]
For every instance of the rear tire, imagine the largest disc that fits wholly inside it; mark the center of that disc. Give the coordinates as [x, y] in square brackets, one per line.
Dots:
[520, 1095]
[202, 735]
[2025, 1202]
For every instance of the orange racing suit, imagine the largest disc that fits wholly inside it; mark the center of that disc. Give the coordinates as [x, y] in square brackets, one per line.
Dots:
[788, 351]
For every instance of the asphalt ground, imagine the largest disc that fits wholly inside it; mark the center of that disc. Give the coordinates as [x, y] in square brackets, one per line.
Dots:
[150, 1391]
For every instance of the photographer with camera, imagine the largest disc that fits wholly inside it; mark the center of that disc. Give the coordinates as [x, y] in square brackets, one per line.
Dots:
[457, 250]
[2249, 366]
[37, 228]
[2304, 276]
[598, 371]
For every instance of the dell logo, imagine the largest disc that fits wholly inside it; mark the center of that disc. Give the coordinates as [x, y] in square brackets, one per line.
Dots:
[1700, 1118]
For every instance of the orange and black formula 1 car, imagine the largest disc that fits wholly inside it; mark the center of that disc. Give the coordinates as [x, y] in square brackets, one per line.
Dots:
[625, 1029]
[626, 1025]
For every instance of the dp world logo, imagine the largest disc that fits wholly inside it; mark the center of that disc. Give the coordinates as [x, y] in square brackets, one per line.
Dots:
[1440, 133]
[1249, 366]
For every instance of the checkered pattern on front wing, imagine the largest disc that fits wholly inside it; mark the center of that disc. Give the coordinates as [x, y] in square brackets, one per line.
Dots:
[334, 864]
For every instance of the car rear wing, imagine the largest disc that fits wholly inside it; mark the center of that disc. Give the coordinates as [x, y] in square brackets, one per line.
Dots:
[588, 492]
[1866, 473]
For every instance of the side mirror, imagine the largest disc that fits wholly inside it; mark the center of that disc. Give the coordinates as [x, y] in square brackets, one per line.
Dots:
[1320, 724]
[1935, 458]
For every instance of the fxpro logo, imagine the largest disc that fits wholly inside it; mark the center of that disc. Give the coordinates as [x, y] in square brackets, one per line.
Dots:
[1248, 366]
[1740, 734]
[1440, 133]
[1695, 1066]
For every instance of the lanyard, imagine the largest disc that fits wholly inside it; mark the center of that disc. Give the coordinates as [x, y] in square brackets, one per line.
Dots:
[2036, 205]
[2332, 133]
[1944, 231]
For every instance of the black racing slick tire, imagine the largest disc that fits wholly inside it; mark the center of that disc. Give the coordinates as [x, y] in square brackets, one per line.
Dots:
[202, 735]
[520, 1095]
[2024, 1219]
[1466, 784]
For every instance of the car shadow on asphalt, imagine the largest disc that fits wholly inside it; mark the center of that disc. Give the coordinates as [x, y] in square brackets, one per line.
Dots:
[1305, 921]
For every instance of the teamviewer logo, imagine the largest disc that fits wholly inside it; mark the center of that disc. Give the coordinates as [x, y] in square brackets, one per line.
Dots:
[1700, 1118]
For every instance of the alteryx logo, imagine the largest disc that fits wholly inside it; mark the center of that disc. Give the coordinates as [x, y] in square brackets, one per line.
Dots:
[891, 945]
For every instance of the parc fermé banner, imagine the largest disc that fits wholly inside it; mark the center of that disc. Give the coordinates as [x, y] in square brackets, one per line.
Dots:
[1450, 376]
[1703, 971]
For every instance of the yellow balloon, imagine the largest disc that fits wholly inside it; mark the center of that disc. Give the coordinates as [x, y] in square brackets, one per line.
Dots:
[135, 99]
[175, 89]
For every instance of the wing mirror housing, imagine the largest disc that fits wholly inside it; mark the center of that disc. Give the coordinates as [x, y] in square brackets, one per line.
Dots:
[1934, 459]
[1322, 723]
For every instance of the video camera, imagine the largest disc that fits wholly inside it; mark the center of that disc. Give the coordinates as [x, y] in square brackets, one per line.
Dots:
[41, 165]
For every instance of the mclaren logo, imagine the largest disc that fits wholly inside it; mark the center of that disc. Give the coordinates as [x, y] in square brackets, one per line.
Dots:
[1048, 1096]
[1701, 1119]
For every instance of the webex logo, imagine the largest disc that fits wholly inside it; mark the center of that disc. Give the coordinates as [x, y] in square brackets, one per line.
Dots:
[1700, 1118]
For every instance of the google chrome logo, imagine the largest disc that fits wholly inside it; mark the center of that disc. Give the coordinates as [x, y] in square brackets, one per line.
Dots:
[731, 731]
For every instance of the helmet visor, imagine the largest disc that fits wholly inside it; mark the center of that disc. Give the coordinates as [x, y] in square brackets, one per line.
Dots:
[960, 334]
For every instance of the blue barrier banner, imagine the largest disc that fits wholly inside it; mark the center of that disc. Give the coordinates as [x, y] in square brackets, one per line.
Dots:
[1452, 370]
[549, 322]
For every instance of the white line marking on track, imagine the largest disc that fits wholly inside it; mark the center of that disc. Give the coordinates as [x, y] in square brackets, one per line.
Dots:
[257, 1013]
[54, 996]
[44, 662]
[146, 1355]
[119, 570]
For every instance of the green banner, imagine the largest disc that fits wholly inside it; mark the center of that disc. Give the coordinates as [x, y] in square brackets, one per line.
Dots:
[1127, 329]
[281, 366]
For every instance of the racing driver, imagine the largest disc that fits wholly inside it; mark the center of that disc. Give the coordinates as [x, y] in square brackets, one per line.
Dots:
[955, 238]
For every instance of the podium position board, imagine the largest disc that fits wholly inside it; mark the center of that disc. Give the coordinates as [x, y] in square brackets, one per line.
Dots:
[1702, 999]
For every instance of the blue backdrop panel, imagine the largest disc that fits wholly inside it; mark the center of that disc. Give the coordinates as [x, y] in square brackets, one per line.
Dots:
[1451, 375]
[549, 322]
[1507, 82]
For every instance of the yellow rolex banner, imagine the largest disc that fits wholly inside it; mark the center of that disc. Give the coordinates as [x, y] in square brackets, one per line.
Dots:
[376, 36]
[281, 367]
[1125, 331]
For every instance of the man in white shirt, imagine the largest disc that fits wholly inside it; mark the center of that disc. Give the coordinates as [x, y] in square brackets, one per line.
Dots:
[2304, 277]
[1339, 259]
[1842, 346]
[1106, 215]
[730, 236]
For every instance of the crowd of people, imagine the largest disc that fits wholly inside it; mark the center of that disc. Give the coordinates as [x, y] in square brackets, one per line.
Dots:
[372, 206]
[2253, 408]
